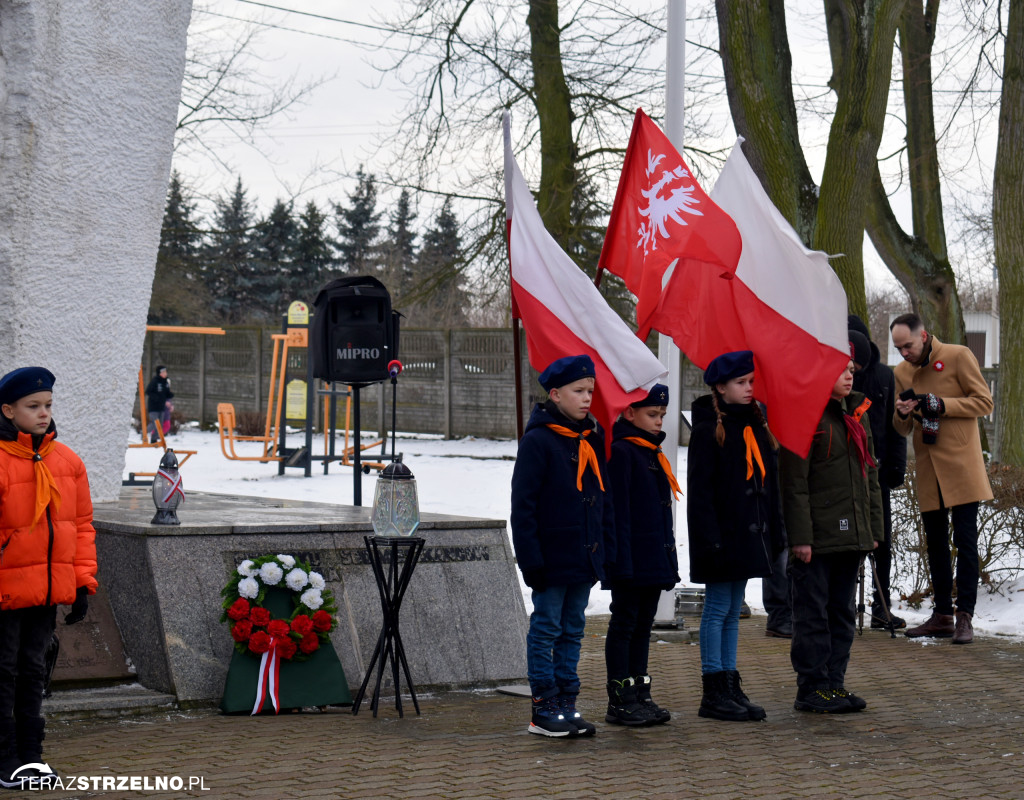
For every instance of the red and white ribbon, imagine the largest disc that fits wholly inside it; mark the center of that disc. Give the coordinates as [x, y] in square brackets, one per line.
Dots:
[175, 485]
[269, 679]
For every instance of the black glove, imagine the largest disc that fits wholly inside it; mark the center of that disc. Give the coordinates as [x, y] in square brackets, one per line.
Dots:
[930, 406]
[535, 579]
[79, 607]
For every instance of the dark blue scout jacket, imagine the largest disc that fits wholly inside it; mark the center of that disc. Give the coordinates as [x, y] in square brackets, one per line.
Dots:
[735, 523]
[645, 547]
[556, 528]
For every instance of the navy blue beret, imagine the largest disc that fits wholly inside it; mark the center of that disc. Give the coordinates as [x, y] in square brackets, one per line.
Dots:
[566, 370]
[728, 366]
[658, 396]
[25, 381]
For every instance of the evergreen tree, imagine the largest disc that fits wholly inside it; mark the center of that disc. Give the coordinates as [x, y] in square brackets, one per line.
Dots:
[441, 296]
[271, 270]
[313, 258]
[358, 227]
[229, 257]
[399, 266]
[179, 296]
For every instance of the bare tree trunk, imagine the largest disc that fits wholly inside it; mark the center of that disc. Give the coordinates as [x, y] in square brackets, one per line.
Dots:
[1008, 224]
[758, 78]
[919, 262]
[861, 36]
[552, 99]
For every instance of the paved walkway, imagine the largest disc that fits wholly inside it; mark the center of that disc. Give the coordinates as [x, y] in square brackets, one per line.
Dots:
[942, 722]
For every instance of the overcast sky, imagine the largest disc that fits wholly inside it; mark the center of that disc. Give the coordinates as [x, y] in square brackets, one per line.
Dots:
[312, 151]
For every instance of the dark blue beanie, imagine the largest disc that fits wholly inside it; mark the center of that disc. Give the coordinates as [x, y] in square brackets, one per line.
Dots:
[728, 366]
[658, 396]
[566, 370]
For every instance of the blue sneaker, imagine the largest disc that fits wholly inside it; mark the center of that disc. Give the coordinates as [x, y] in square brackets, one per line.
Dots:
[567, 705]
[548, 719]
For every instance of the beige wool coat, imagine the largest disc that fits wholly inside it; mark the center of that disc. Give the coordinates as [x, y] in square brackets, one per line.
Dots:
[953, 465]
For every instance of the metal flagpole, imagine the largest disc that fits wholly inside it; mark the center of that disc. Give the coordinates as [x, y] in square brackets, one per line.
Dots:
[668, 353]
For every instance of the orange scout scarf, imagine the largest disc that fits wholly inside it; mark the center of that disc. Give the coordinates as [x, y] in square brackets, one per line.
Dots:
[753, 453]
[586, 454]
[662, 459]
[46, 486]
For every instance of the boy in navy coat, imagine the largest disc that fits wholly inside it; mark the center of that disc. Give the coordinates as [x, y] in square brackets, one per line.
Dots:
[562, 528]
[645, 556]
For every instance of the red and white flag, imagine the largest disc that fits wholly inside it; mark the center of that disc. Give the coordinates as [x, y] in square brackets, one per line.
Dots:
[789, 304]
[728, 272]
[664, 232]
[562, 311]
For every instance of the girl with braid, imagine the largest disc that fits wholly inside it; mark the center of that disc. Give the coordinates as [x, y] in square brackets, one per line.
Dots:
[734, 517]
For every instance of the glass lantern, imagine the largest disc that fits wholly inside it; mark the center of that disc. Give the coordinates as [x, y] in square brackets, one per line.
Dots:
[168, 492]
[396, 508]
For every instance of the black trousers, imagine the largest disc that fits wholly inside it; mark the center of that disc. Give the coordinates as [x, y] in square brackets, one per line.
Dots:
[775, 595]
[940, 561]
[824, 618]
[25, 634]
[629, 631]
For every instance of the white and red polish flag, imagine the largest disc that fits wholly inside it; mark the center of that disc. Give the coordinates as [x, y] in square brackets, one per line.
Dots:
[562, 311]
[725, 273]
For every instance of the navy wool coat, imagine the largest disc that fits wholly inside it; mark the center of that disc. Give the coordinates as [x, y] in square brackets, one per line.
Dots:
[564, 533]
[645, 546]
[735, 524]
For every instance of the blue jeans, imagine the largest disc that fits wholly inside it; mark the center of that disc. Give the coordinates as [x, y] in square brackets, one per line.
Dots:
[720, 625]
[553, 642]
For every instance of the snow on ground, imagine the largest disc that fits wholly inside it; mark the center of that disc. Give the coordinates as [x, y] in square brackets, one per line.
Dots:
[469, 477]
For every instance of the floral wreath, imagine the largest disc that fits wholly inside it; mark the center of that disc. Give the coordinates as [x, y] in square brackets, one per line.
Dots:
[251, 625]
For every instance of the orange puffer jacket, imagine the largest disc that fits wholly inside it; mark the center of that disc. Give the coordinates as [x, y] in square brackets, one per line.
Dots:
[38, 567]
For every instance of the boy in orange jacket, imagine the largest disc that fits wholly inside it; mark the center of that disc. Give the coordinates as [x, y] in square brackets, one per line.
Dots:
[47, 558]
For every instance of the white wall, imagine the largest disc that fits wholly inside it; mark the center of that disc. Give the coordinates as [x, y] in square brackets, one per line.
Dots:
[89, 95]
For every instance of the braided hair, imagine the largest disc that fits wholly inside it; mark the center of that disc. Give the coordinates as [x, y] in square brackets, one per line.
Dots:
[720, 428]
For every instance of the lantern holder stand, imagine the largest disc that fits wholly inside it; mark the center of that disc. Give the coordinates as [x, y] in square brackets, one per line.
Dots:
[393, 560]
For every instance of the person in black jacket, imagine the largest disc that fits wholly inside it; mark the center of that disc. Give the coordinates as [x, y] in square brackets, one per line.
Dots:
[157, 394]
[876, 381]
[563, 533]
[734, 519]
[645, 556]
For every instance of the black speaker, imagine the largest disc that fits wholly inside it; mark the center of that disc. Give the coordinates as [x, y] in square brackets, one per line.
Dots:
[354, 333]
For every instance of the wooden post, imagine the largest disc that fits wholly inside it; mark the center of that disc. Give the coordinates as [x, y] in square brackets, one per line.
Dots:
[202, 381]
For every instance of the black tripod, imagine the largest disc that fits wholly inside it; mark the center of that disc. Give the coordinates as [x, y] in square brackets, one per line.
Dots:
[881, 597]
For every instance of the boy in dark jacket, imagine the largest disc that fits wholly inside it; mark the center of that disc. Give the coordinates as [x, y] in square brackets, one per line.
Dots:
[833, 512]
[645, 556]
[47, 558]
[562, 529]
[157, 394]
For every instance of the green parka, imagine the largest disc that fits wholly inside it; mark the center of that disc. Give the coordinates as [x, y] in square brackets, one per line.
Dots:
[827, 503]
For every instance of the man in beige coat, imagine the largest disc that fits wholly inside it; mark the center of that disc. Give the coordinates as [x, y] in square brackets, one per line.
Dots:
[950, 394]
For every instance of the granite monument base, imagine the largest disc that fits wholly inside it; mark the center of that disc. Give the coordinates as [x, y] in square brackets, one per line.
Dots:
[463, 621]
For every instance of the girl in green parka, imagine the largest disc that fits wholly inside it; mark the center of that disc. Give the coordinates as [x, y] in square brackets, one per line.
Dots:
[833, 511]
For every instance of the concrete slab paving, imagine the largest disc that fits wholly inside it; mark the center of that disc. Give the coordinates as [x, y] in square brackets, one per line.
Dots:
[942, 721]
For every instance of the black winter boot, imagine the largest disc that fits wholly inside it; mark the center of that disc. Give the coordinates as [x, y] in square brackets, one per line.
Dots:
[754, 712]
[717, 702]
[567, 704]
[30, 749]
[623, 709]
[9, 761]
[659, 715]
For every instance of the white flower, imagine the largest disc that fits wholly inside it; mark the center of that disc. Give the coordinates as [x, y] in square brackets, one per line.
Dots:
[316, 580]
[311, 599]
[245, 568]
[271, 573]
[248, 588]
[288, 561]
[296, 579]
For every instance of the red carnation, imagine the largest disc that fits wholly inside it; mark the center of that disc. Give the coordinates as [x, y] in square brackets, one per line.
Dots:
[260, 616]
[259, 642]
[310, 642]
[302, 624]
[239, 609]
[321, 621]
[278, 627]
[241, 630]
[286, 649]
